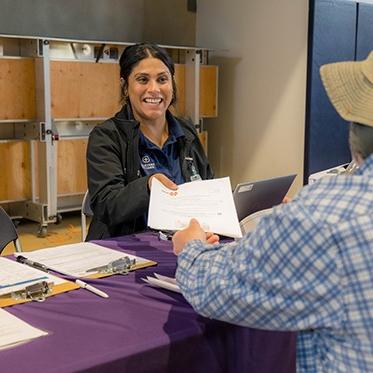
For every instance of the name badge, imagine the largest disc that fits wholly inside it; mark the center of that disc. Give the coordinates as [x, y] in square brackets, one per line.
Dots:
[195, 177]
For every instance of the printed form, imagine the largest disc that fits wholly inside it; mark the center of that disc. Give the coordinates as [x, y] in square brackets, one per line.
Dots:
[14, 331]
[77, 259]
[208, 201]
[16, 276]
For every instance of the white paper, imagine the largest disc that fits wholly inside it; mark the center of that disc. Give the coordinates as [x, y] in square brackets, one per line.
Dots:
[14, 331]
[76, 259]
[15, 276]
[208, 201]
[163, 282]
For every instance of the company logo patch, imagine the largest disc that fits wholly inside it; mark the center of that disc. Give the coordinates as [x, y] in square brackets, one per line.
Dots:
[145, 159]
[147, 163]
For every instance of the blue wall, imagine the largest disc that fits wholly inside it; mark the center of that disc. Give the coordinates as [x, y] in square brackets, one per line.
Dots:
[339, 31]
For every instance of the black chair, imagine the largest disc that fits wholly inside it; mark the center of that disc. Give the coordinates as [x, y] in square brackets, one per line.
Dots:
[8, 232]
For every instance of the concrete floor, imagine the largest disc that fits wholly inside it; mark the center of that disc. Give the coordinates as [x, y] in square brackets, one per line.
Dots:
[66, 232]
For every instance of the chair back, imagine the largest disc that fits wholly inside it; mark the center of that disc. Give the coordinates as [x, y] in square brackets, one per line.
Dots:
[249, 223]
[8, 232]
[85, 211]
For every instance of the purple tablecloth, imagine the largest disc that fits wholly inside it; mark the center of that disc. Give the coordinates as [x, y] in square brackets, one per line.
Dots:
[140, 329]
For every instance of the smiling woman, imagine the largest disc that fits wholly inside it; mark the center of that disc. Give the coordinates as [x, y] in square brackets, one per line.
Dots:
[141, 142]
[150, 93]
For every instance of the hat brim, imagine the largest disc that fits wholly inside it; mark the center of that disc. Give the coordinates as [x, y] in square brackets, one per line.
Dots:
[349, 90]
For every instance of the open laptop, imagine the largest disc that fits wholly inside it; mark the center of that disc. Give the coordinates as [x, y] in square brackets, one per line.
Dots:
[250, 197]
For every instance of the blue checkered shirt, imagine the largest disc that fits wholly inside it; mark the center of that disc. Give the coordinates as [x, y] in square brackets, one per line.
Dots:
[308, 267]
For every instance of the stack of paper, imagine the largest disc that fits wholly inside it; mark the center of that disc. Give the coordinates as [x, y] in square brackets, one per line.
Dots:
[14, 331]
[208, 201]
[163, 282]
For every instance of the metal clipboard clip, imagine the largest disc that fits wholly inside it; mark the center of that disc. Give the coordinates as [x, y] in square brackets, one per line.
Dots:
[119, 266]
[36, 292]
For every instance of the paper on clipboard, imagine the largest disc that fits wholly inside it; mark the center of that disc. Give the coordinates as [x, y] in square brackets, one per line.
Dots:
[208, 201]
[15, 276]
[78, 259]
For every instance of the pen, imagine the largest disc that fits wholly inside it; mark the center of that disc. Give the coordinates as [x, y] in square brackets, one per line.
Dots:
[23, 260]
[91, 288]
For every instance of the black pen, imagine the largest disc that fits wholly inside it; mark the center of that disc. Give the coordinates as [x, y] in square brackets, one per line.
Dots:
[36, 265]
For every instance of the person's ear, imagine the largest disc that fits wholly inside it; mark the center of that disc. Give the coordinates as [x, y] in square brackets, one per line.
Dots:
[123, 88]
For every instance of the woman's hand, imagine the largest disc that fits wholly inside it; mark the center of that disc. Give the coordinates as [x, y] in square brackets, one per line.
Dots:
[163, 179]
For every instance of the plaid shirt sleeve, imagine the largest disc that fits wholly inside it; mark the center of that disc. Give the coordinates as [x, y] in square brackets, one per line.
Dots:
[284, 276]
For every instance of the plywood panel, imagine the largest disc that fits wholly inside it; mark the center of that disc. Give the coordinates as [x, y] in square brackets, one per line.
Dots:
[15, 171]
[179, 108]
[89, 90]
[15, 164]
[71, 166]
[203, 137]
[84, 89]
[17, 89]
[208, 91]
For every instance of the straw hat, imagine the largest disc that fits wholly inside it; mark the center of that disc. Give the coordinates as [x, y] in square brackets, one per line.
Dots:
[350, 88]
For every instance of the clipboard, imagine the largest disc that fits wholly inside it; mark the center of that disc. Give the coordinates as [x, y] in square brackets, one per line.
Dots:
[28, 283]
[146, 264]
[82, 253]
[7, 300]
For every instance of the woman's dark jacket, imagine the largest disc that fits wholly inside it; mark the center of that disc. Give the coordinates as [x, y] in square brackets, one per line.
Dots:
[118, 192]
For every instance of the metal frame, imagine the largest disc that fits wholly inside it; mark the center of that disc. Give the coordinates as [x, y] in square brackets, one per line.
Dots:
[48, 136]
[192, 78]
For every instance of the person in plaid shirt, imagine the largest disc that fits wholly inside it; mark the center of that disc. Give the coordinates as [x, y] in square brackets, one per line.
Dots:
[308, 266]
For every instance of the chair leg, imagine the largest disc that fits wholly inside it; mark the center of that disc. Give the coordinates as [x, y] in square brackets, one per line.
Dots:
[84, 227]
[17, 245]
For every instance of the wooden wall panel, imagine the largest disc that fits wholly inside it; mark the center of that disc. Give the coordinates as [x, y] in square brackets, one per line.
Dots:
[84, 89]
[71, 166]
[89, 90]
[15, 173]
[179, 108]
[208, 91]
[15, 165]
[17, 88]
[203, 137]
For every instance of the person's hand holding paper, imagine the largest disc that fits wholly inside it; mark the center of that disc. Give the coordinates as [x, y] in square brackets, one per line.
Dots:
[192, 232]
[163, 179]
[208, 201]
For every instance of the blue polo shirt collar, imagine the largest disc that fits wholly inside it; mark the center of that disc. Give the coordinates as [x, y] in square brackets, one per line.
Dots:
[165, 160]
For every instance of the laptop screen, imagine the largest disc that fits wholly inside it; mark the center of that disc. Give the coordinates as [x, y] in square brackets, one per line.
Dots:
[250, 197]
